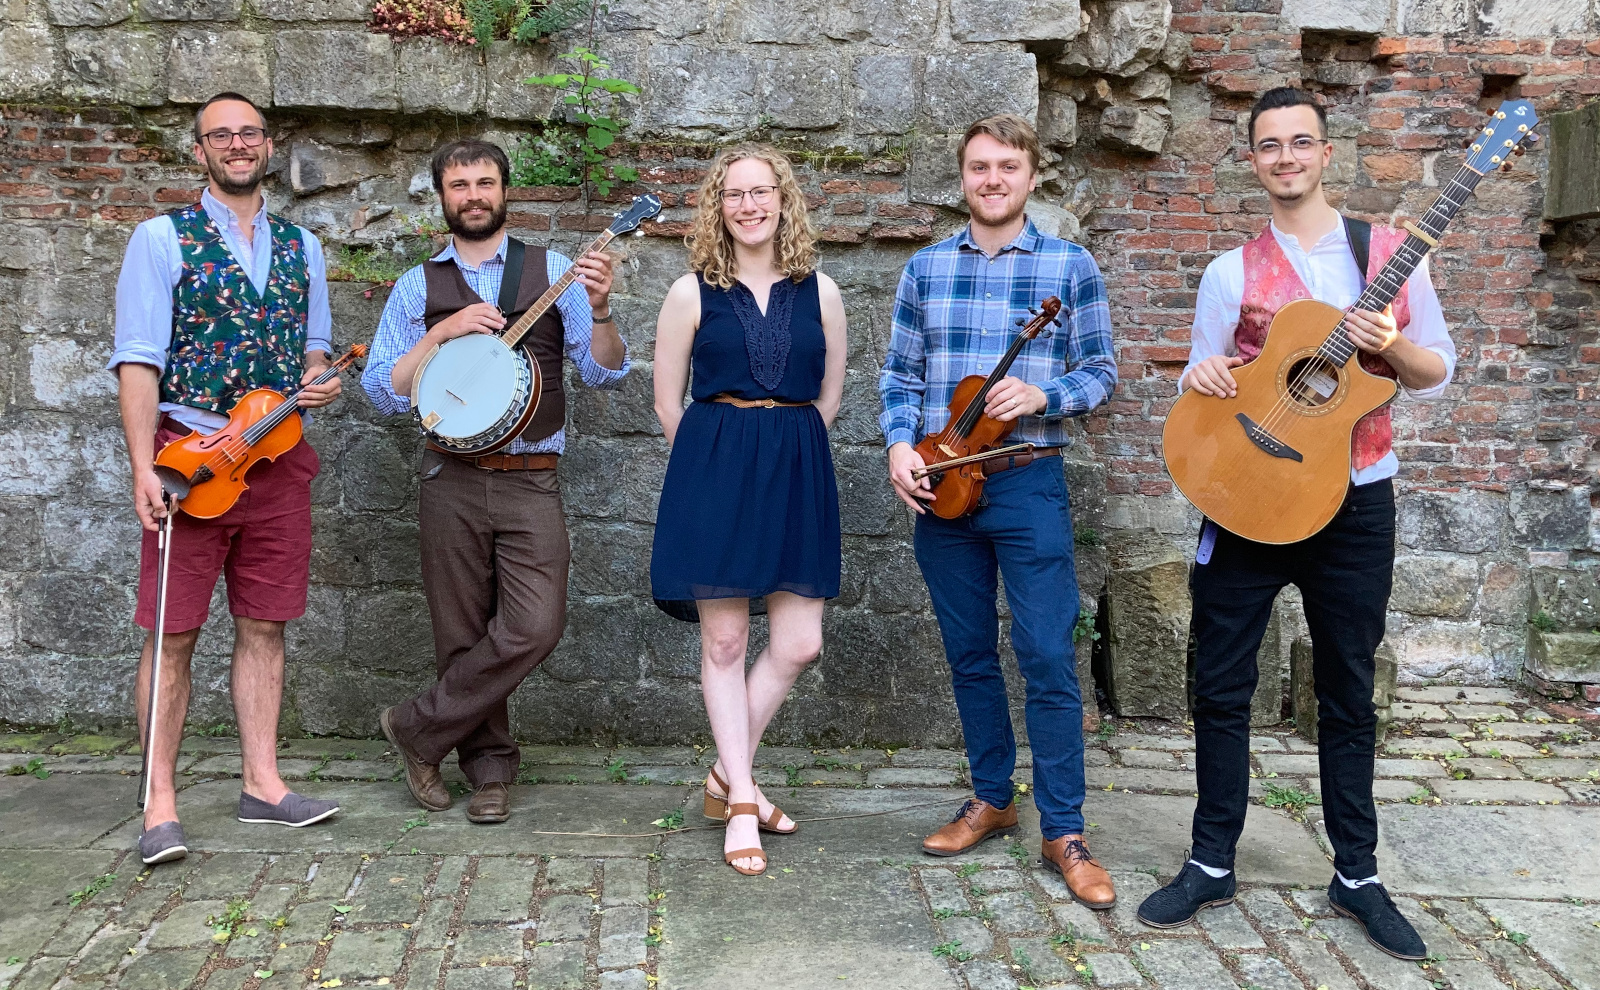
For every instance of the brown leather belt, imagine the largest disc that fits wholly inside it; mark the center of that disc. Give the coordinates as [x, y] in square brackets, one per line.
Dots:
[1009, 461]
[756, 403]
[504, 462]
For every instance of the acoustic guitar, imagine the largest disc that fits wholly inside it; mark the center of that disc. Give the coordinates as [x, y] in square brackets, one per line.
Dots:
[1272, 463]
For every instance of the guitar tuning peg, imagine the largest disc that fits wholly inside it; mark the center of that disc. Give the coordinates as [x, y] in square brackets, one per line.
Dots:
[1533, 137]
[1466, 144]
[638, 233]
[1506, 167]
[1519, 151]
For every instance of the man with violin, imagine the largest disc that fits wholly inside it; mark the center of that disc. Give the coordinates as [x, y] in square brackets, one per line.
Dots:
[956, 315]
[494, 540]
[1345, 570]
[215, 300]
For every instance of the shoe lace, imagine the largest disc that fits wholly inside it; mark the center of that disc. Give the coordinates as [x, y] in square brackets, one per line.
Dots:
[1076, 850]
[966, 806]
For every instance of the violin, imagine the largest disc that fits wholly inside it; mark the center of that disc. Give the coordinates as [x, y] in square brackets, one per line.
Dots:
[954, 457]
[209, 470]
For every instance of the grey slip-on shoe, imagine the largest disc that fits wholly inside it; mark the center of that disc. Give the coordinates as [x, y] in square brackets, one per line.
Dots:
[162, 844]
[295, 810]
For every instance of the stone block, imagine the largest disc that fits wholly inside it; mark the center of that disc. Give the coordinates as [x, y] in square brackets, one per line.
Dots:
[204, 63]
[1058, 119]
[885, 93]
[1148, 620]
[1574, 188]
[1564, 656]
[66, 374]
[802, 90]
[1568, 597]
[314, 168]
[1136, 129]
[88, 13]
[960, 87]
[27, 61]
[1303, 698]
[439, 76]
[1465, 522]
[935, 173]
[1272, 669]
[670, 18]
[803, 22]
[1535, 18]
[689, 90]
[115, 66]
[1432, 16]
[313, 10]
[1442, 586]
[1550, 516]
[352, 70]
[1124, 38]
[508, 97]
[1027, 20]
[1355, 17]
[189, 10]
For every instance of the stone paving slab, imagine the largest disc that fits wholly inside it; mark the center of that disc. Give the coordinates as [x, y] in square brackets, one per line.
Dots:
[1490, 851]
[592, 811]
[798, 931]
[1567, 935]
[62, 811]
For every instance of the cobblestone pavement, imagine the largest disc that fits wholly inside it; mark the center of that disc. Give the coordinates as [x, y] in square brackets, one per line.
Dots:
[1488, 808]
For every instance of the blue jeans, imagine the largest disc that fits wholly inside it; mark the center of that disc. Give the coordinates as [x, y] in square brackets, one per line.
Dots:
[1023, 530]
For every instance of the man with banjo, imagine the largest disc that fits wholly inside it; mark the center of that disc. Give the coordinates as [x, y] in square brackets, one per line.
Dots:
[215, 300]
[494, 542]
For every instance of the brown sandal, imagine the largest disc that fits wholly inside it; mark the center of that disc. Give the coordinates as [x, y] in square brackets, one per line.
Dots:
[754, 811]
[716, 808]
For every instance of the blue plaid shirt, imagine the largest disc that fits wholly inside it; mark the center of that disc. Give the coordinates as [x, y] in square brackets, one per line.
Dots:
[956, 313]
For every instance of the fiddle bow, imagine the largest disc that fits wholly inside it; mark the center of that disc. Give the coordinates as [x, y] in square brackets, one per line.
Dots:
[953, 458]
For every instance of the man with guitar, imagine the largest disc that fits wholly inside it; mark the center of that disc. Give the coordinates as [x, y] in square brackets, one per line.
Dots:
[215, 300]
[494, 541]
[1345, 570]
[956, 315]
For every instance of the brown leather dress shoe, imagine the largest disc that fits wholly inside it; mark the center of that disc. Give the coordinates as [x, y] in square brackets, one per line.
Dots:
[490, 804]
[977, 820]
[422, 779]
[1087, 879]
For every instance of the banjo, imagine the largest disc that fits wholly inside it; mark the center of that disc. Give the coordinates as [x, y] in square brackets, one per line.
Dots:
[476, 393]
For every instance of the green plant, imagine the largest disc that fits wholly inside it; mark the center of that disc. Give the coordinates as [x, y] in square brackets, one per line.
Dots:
[380, 266]
[828, 763]
[34, 767]
[416, 18]
[1088, 536]
[1018, 852]
[549, 158]
[1542, 621]
[521, 20]
[952, 950]
[225, 926]
[220, 729]
[792, 777]
[968, 869]
[672, 819]
[617, 771]
[1106, 731]
[592, 100]
[94, 887]
[1085, 627]
[1291, 799]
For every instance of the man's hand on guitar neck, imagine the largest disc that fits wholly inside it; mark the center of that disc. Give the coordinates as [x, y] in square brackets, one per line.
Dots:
[1213, 377]
[1417, 367]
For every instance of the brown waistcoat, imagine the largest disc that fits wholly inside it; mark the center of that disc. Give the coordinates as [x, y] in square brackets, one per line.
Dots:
[449, 293]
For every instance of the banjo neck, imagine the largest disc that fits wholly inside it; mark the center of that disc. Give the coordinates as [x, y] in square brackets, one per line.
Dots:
[514, 335]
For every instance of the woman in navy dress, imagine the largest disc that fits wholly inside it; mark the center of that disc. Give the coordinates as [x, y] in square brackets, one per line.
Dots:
[749, 508]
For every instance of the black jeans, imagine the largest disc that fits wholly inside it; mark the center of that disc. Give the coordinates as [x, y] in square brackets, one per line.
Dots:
[1344, 574]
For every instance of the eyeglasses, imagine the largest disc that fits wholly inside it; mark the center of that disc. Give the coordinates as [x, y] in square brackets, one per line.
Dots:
[759, 195]
[222, 139]
[1301, 147]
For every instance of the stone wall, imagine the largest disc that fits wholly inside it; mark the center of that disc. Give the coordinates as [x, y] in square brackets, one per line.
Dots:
[1140, 103]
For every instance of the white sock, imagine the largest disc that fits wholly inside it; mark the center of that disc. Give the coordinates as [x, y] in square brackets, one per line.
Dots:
[1352, 884]
[1212, 871]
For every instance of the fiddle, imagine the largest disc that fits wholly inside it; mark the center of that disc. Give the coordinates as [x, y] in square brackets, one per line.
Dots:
[954, 457]
[260, 426]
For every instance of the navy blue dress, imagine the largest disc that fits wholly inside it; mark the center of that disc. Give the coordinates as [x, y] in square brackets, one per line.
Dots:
[750, 505]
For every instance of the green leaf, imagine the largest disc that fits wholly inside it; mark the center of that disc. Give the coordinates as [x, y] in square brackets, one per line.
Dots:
[601, 138]
[263, 974]
[343, 908]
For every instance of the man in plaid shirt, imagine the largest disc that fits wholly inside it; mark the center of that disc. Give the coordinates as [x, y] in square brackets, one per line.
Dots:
[955, 315]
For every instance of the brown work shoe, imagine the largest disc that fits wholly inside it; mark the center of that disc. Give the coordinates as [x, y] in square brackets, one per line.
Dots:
[1087, 879]
[421, 778]
[977, 820]
[490, 803]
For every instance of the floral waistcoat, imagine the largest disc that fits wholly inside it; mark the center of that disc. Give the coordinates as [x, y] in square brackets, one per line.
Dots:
[228, 339]
[1270, 283]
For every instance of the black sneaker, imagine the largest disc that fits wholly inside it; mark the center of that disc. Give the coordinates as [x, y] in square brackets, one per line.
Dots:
[1370, 906]
[1178, 902]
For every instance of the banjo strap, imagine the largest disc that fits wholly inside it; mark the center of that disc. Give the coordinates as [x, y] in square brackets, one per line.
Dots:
[515, 250]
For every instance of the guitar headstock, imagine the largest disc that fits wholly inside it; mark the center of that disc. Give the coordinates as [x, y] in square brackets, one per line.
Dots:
[1505, 134]
[643, 208]
[1043, 317]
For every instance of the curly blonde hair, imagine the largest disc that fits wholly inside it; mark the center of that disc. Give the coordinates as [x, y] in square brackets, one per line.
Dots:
[711, 247]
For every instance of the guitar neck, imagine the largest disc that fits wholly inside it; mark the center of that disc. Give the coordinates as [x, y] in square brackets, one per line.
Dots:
[518, 330]
[1425, 235]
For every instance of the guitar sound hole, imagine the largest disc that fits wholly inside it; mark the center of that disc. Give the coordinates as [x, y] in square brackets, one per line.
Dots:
[1313, 381]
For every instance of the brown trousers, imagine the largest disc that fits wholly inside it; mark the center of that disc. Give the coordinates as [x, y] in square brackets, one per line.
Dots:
[494, 567]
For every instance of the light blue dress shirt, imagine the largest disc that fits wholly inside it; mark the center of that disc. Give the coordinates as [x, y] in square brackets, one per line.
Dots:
[151, 269]
[402, 327]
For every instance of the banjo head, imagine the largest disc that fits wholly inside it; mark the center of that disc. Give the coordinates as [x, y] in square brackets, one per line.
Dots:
[470, 384]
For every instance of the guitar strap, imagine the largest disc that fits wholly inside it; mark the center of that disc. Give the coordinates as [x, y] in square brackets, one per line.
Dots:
[512, 281]
[1359, 233]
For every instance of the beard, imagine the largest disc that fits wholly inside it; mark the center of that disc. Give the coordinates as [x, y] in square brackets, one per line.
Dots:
[217, 172]
[982, 216]
[475, 230]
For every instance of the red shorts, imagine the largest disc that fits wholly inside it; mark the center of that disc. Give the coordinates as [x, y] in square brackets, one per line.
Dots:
[262, 544]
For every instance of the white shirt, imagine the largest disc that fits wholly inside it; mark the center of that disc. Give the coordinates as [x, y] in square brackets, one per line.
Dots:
[151, 267]
[1330, 274]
